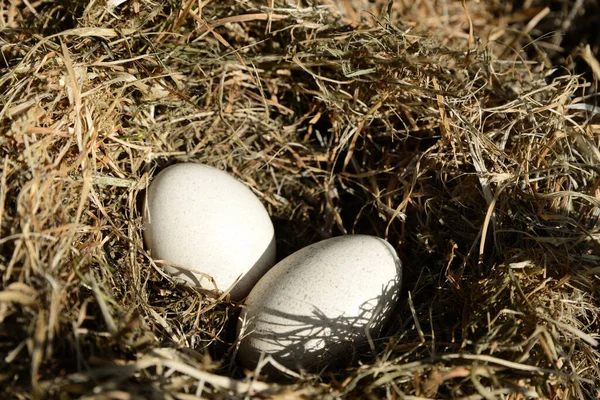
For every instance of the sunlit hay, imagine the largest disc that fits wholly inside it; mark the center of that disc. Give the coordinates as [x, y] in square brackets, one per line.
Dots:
[450, 139]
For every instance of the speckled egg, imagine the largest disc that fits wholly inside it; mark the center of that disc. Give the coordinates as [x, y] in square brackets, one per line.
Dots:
[313, 309]
[209, 228]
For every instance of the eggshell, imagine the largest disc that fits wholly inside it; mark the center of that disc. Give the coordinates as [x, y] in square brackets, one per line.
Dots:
[206, 223]
[313, 308]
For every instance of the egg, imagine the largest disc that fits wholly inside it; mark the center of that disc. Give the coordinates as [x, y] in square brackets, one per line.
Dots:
[313, 308]
[209, 228]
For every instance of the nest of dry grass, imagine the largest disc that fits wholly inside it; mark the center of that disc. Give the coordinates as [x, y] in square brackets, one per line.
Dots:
[442, 127]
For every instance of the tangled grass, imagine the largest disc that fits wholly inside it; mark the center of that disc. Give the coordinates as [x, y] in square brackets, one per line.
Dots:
[453, 137]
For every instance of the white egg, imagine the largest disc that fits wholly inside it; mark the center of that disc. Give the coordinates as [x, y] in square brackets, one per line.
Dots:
[206, 224]
[313, 308]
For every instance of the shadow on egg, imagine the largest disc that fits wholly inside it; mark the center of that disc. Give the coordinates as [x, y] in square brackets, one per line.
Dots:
[314, 342]
[240, 289]
[207, 229]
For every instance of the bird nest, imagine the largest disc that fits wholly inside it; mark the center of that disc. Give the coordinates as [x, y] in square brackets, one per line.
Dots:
[454, 130]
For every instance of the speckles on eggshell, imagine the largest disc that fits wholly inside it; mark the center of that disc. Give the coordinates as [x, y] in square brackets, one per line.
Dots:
[310, 307]
[206, 222]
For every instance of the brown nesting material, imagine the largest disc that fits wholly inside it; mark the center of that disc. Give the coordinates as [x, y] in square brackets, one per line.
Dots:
[442, 128]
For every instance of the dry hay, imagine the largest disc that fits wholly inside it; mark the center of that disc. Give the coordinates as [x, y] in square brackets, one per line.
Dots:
[449, 136]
